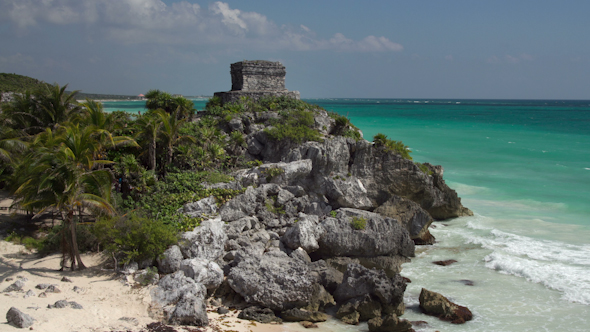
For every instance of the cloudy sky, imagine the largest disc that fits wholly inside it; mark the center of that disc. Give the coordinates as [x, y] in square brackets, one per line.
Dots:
[524, 49]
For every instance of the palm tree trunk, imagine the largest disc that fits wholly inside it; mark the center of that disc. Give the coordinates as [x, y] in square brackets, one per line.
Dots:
[75, 251]
[152, 154]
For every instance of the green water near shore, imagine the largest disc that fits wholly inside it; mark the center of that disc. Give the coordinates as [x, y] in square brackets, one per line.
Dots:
[523, 167]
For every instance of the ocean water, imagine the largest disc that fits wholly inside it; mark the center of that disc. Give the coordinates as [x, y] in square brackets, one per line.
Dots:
[523, 168]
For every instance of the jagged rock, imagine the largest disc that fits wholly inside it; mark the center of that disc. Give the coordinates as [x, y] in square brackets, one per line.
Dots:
[361, 308]
[273, 280]
[52, 289]
[411, 216]
[348, 315]
[380, 237]
[389, 323]
[390, 264]
[308, 325]
[42, 286]
[203, 271]
[170, 260]
[147, 276]
[206, 241]
[305, 233]
[347, 192]
[75, 305]
[328, 276]
[359, 281]
[59, 304]
[297, 315]
[66, 279]
[437, 305]
[222, 310]
[18, 318]
[190, 310]
[301, 255]
[243, 205]
[292, 172]
[179, 300]
[320, 299]
[262, 315]
[206, 207]
[42, 295]
[445, 262]
[17, 286]
[29, 293]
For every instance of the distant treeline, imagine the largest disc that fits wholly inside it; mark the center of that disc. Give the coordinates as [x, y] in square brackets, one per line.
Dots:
[19, 83]
[96, 96]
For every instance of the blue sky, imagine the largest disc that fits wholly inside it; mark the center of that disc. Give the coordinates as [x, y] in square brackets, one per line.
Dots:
[375, 49]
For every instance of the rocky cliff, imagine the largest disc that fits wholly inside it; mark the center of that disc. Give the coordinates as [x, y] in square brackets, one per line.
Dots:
[320, 223]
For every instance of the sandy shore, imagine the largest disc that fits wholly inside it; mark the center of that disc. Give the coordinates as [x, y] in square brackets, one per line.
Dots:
[110, 303]
[106, 296]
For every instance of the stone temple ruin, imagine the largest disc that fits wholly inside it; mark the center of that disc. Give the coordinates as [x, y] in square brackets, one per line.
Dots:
[256, 79]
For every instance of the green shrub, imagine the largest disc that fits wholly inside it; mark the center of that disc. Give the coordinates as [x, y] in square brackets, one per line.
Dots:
[29, 242]
[134, 238]
[333, 213]
[424, 168]
[358, 223]
[272, 172]
[396, 147]
[272, 206]
[294, 126]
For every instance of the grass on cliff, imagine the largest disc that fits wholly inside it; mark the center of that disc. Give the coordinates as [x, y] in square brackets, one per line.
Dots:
[381, 141]
[295, 126]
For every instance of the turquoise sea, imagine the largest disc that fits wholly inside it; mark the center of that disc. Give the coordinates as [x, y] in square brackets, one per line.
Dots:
[523, 168]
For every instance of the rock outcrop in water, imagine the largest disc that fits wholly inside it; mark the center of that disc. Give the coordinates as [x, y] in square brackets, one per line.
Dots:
[319, 223]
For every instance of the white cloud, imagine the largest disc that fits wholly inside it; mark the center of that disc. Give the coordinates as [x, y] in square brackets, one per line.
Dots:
[152, 21]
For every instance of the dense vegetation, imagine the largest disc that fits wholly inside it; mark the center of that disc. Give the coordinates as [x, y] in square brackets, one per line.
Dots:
[19, 83]
[116, 181]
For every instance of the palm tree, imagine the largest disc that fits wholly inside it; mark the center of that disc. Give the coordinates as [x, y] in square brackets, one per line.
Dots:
[56, 106]
[150, 125]
[170, 133]
[63, 177]
[93, 116]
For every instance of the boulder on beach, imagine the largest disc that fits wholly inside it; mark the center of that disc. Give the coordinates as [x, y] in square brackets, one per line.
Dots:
[437, 305]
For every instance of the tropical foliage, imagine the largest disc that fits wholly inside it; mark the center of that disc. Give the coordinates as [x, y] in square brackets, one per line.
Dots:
[117, 181]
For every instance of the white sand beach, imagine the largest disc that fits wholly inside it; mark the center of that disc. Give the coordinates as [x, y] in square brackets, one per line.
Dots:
[110, 301]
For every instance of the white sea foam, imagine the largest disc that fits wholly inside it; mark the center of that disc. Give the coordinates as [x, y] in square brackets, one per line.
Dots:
[573, 281]
[542, 250]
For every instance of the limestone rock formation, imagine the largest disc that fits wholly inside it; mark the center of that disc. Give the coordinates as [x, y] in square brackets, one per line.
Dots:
[179, 300]
[273, 280]
[380, 237]
[435, 304]
[412, 217]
